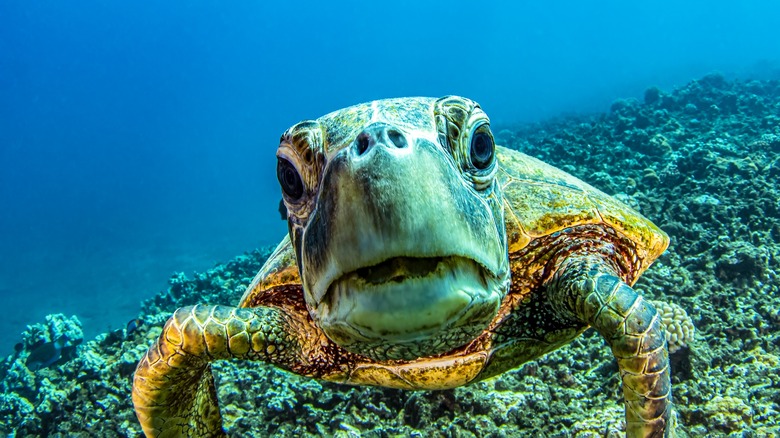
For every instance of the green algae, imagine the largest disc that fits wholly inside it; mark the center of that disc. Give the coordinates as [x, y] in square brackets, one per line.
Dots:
[702, 161]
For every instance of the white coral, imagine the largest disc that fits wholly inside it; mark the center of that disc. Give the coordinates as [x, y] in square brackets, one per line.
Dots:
[679, 326]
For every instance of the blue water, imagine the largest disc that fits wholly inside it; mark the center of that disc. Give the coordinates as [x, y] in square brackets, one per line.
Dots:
[138, 139]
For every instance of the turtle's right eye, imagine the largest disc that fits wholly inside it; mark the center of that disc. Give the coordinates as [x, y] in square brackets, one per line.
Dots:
[482, 148]
[289, 179]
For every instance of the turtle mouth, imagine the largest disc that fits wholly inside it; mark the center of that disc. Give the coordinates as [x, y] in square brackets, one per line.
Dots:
[408, 307]
[398, 269]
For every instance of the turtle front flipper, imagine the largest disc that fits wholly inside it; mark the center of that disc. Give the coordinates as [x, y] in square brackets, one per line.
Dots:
[173, 388]
[588, 289]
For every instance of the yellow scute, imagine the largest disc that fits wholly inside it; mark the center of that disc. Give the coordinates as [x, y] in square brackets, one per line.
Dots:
[442, 373]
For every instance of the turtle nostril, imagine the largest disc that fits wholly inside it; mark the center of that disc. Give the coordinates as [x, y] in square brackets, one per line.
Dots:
[362, 143]
[396, 138]
[379, 134]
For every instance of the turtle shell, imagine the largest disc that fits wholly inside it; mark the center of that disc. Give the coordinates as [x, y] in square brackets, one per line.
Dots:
[547, 214]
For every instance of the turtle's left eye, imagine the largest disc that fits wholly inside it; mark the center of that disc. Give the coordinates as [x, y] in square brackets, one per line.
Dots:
[482, 147]
[289, 179]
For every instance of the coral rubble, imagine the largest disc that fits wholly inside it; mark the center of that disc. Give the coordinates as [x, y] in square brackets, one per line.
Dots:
[702, 161]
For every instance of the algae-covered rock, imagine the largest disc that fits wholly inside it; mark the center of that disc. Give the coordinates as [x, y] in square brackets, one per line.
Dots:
[702, 161]
[16, 412]
[605, 423]
[727, 414]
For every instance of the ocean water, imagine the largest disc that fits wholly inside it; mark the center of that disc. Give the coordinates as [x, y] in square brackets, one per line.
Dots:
[138, 140]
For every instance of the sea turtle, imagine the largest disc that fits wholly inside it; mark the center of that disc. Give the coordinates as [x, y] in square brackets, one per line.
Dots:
[420, 255]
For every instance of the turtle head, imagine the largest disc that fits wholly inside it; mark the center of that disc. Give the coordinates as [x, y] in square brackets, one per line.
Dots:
[397, 222]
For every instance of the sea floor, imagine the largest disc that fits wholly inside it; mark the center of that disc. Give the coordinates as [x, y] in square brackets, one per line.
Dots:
[702, 161]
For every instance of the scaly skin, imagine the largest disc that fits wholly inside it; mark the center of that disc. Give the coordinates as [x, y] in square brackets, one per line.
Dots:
[587, 288]
[173, 388]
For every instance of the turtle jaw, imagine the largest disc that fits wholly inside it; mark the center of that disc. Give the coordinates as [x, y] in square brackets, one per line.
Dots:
[409, 307]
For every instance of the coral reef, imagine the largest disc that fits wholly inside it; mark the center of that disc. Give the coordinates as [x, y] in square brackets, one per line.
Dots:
[702, 161]
[679, 326]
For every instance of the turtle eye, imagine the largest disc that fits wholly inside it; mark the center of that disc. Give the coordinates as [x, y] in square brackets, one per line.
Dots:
[482, 147]
[289, 179]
